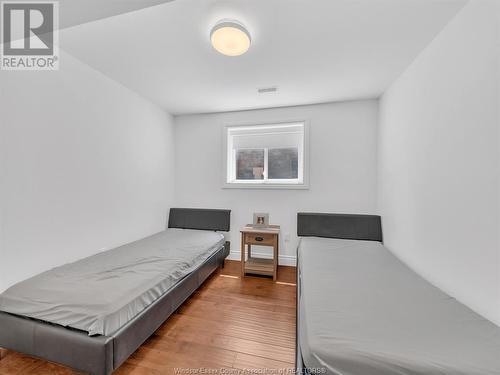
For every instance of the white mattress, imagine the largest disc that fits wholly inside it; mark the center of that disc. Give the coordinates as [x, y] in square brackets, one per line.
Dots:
[101, 293]
[363, 312]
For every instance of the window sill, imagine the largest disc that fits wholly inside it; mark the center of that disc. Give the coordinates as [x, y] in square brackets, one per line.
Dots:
[266, 186]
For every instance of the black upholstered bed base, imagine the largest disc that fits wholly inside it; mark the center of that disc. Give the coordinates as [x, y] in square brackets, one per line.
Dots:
[101, 355]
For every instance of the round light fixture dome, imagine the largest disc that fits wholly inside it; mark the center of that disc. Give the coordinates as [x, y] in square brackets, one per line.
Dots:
[230, 38]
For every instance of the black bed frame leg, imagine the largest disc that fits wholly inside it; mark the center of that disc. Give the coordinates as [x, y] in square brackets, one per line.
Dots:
[227, 246]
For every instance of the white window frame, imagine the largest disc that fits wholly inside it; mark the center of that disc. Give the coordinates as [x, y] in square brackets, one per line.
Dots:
[229, 157]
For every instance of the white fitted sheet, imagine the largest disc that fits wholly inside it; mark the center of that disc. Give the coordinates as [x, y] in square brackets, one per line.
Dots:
[101, 293]
[363, 312]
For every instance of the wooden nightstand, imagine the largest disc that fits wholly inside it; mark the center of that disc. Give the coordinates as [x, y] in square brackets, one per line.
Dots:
[262, 237]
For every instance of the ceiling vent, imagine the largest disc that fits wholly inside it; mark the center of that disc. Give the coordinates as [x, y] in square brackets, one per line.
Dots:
[265, 90]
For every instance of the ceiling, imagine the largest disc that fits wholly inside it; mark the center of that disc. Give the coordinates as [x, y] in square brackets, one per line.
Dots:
[76, 12]
[313, 51]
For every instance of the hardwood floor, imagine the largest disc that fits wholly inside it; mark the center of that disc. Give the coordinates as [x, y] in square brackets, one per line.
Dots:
[229, 324]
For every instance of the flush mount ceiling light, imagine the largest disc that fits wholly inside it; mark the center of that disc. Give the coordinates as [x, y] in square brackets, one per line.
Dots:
[230, 38]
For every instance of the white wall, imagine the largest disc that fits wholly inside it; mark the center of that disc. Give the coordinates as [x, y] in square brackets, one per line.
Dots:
[85, 165]
[342, 167]
[439, 160]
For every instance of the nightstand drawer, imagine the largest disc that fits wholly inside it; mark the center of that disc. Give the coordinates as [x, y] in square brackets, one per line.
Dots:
[263, 239]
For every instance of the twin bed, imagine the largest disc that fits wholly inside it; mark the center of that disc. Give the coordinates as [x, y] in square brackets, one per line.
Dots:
[93, 314]
[361, 311]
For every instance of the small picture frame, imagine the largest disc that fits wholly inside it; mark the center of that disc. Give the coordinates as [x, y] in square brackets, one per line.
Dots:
[260, 220]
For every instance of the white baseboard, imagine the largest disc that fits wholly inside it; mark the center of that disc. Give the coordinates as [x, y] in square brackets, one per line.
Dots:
[284, 260]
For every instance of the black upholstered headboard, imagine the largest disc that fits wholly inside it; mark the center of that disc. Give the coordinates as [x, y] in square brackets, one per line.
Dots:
[344, 226]
[200, 218]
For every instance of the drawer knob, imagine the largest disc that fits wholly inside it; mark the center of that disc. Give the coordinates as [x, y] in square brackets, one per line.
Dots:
[259, 239]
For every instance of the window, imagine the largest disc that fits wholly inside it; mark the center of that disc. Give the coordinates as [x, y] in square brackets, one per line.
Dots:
[270, 155]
